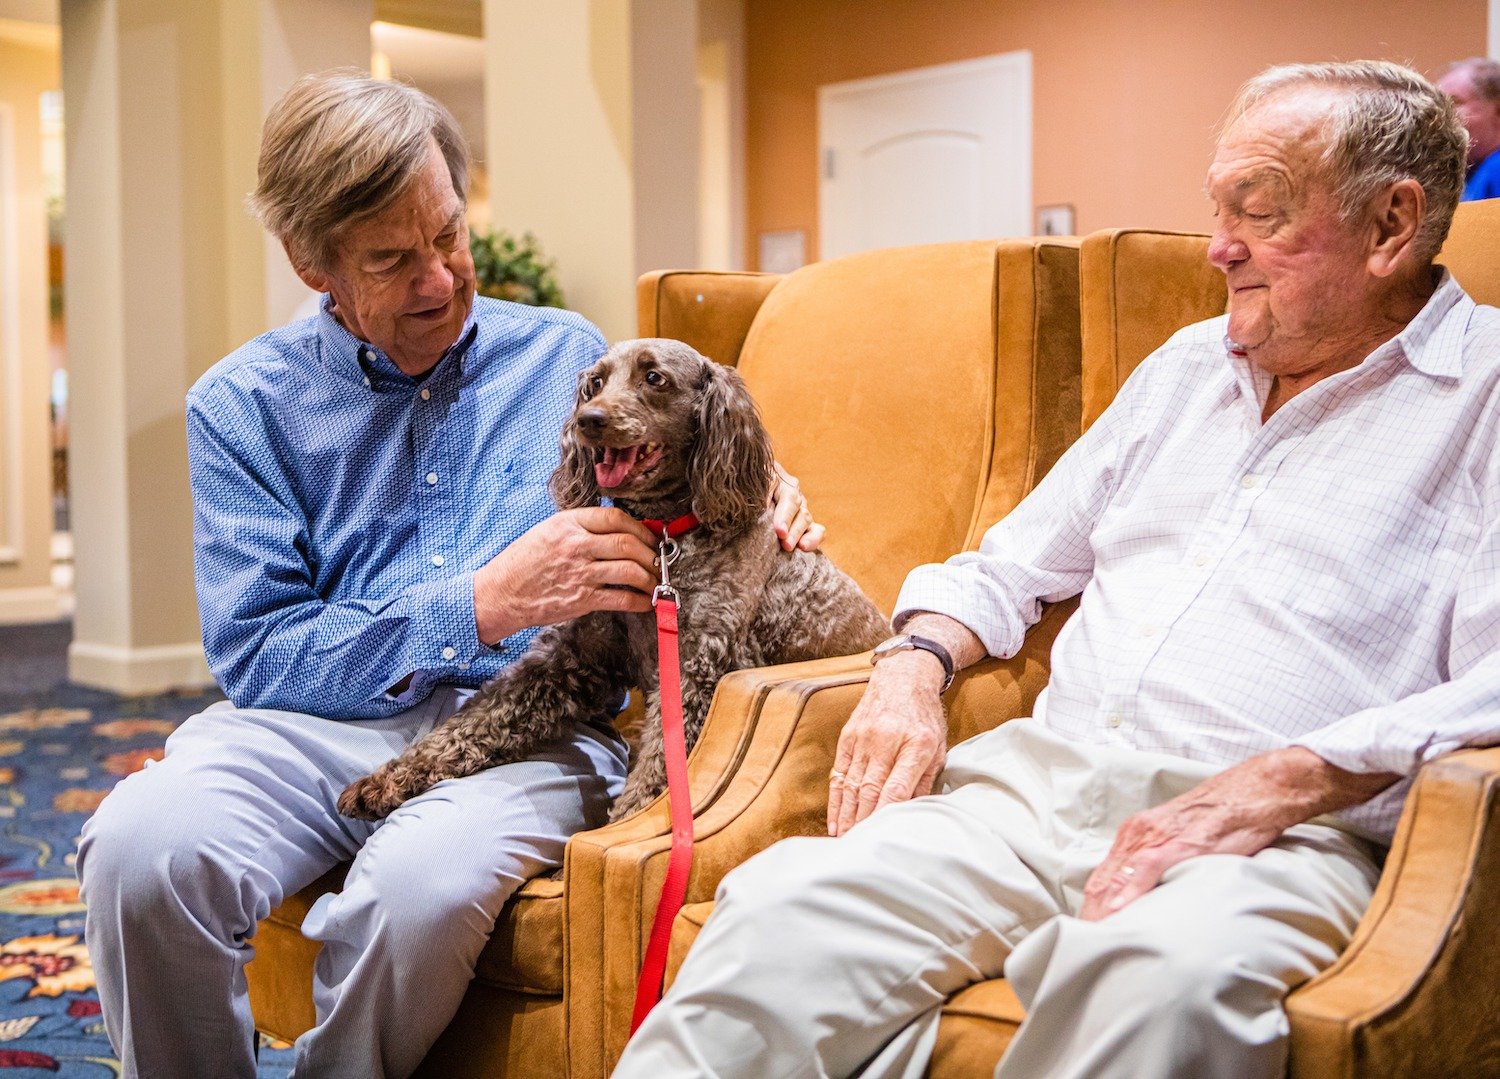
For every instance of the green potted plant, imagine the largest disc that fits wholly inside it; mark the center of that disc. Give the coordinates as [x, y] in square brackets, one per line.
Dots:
[508, 268]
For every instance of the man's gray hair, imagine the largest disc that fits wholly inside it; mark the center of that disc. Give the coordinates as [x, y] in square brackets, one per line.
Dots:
[1390, 124]
[340, 147]
[1484, 73]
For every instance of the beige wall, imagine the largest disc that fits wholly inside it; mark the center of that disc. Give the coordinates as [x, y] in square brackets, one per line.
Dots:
[591, 113]
[1127, 94]
[28, 67]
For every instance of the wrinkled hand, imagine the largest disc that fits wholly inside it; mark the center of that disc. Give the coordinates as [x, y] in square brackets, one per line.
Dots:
[1242, 810]
[895, 743]
[794, 524]
[577, 561]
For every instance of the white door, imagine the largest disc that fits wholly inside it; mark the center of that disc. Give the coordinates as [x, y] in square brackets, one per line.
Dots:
[939, 153]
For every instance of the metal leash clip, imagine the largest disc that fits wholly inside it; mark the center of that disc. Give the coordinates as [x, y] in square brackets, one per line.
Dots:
[666, 555]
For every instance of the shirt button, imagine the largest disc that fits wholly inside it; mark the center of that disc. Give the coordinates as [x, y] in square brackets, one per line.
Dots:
[431, 479]
[1249, 483]
[1115, 719]
[426, 394]
[449, 653]
[1149, 631]
[437, 560]
[1201, 560]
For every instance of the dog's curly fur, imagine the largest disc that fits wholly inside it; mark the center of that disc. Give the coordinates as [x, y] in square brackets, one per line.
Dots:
[744, 601]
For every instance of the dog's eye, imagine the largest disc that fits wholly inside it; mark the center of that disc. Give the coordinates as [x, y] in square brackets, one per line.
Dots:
[655, 378]
[593, 386]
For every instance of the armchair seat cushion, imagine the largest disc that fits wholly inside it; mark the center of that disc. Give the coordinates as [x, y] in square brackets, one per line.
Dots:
[523, 956]
[525, 952]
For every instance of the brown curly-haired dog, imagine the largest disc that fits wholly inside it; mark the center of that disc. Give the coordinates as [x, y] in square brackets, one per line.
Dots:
[661, 431]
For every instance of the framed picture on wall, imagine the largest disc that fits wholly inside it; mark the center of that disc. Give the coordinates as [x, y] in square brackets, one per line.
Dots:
[1055, 220]
[783, 252]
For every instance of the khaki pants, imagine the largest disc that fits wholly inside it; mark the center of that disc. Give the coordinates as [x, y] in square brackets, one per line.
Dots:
[832, 957]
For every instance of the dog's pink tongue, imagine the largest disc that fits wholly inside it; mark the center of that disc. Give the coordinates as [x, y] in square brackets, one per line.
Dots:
[610, 472]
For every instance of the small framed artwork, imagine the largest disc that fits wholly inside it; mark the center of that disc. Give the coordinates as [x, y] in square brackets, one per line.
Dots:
[1055, 220]
[783, 252]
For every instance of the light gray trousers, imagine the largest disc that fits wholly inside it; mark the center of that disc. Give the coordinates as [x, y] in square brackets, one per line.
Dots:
[832, 957]
[185, 857]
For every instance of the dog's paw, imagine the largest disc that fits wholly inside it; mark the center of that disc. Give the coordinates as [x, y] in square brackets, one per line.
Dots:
[370, 798]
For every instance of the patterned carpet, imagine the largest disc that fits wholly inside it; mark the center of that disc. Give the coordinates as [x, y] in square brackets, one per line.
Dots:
[62, 748]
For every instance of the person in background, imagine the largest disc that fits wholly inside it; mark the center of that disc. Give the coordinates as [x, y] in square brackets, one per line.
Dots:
[1474, 86]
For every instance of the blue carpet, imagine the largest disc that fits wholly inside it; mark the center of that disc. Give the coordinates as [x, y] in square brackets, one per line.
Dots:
[62, 748]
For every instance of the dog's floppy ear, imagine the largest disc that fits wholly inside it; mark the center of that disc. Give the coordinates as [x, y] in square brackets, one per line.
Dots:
[572, 484]
[732, 468]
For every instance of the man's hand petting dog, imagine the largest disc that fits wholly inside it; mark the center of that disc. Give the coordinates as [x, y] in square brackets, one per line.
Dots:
[793, 521]
[593, 559]
[598, 559]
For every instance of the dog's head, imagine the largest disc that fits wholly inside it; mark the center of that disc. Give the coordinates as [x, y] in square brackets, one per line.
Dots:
[656, 424]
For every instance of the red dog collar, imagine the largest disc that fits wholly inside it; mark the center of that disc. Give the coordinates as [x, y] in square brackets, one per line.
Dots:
[672, 529]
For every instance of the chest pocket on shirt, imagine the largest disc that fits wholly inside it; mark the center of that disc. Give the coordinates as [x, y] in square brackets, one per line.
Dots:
[1358, 566]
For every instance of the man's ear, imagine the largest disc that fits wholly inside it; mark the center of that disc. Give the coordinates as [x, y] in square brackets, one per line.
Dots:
[313, 279]
[1396, 215]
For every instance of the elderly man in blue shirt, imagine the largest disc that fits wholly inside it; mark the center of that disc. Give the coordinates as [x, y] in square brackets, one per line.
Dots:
[1474, 86]
[374, 539]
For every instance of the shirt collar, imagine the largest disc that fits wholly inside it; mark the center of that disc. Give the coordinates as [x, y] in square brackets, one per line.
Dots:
[364, 363]
[1433, 341]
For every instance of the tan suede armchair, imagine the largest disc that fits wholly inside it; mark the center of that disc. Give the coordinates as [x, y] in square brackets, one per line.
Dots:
[918, 394]
[1415, 992]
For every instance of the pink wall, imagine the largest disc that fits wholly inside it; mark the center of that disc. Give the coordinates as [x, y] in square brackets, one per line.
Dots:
[1126, 93]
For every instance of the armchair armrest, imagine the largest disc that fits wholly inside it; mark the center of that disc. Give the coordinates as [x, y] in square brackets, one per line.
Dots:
[1414, 993]
[759, 773]
[710, 311]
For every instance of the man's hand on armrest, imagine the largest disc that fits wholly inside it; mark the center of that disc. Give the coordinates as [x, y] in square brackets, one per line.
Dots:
[896, 741]
[1239, 811]
[577, 561]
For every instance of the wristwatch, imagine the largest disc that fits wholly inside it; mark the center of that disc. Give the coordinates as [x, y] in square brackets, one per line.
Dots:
[905, 642]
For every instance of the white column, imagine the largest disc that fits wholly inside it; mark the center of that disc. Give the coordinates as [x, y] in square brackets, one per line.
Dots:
[591, 116]
[28, 66]
[165, 274]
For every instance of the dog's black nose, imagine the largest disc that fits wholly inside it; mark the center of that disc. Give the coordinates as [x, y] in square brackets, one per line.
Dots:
[591, 421]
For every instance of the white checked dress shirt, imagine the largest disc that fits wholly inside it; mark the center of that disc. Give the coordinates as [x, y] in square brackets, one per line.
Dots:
[1329, 578]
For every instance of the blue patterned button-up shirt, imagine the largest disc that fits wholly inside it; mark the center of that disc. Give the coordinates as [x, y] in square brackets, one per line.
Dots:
[342, 507]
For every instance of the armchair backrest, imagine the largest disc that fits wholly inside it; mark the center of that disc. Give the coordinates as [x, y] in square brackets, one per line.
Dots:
[1140, 286]
[1472, 250]
[918, 393]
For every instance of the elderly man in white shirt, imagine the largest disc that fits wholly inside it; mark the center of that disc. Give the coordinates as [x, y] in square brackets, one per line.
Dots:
[1286, 533]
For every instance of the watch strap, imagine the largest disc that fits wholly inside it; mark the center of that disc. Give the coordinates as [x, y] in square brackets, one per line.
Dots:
[926, 644]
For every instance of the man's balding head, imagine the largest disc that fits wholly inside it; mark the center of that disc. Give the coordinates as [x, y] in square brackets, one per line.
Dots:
[1381, 123]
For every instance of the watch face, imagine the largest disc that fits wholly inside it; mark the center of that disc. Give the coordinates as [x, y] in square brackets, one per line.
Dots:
[895, 644]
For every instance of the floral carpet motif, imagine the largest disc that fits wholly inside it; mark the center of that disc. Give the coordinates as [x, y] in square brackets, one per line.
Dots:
[61, 751]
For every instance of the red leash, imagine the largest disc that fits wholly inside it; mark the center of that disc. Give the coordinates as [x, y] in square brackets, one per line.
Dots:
[679, 800]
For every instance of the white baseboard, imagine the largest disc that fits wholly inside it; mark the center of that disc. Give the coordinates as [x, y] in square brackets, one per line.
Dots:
[40, 604]
[134, 671]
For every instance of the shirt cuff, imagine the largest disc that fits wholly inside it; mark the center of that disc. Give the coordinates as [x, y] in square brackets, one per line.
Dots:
[446, 637]
[1366, 743]
[947, 589]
